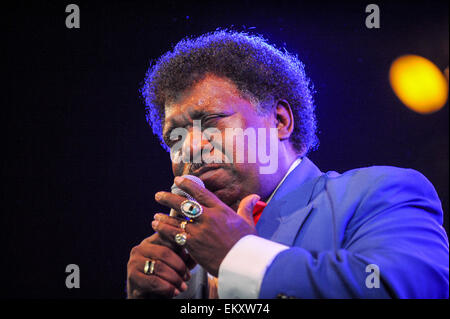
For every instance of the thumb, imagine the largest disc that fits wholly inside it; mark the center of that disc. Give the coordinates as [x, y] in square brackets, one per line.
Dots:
[245, 209]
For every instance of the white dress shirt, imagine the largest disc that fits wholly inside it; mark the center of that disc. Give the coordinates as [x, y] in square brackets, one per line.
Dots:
[243, 268]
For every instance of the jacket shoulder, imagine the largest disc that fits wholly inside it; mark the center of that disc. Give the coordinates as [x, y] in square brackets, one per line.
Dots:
[378, 176]
[374, 189]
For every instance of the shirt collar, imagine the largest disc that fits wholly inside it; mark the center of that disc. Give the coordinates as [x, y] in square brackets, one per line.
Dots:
[291, 168]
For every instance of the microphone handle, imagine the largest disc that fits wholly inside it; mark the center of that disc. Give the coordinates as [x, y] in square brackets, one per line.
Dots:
[173, 213]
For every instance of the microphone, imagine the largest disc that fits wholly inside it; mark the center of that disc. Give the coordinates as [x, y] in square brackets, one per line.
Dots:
[178, 191]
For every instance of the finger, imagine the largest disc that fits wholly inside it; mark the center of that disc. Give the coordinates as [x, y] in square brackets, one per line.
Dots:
[162, 270]
[173, 221]
[186, 257]
[201, 194]
[246, 206]
[180, 251]
[150, 286]
[169, 232]
[165, 254]
[170, 200]
[163, 242]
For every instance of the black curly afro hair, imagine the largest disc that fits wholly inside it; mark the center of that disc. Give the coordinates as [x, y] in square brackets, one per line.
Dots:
[259, 70]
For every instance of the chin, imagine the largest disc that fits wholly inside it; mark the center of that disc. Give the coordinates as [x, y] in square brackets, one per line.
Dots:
[224, 183]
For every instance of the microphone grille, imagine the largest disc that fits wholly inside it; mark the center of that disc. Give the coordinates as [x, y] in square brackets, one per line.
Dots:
[176, 190]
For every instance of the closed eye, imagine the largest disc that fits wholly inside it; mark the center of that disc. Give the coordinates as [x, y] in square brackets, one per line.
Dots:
[213, 117]
[207, 120]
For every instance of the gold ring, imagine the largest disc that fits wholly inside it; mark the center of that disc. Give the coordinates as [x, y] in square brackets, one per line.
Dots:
[183, 225]
[181, 238]
[149, 267]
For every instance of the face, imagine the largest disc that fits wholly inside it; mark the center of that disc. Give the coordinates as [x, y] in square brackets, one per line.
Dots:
[216, 102]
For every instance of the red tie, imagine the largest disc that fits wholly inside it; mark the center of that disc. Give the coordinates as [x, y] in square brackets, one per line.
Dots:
[257, 210]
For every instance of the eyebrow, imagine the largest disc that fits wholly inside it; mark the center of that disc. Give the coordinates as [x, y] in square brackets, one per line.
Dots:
[172, 123]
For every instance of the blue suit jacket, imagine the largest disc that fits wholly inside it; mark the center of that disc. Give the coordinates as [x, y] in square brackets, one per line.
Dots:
[338, 224]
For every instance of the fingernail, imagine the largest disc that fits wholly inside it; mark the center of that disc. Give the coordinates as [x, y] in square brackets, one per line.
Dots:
[176, 292]
[158, 196]
[183, 286]
[155, 224]
[157, 216]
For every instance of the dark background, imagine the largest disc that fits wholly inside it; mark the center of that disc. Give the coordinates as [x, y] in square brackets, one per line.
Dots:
[80, 166]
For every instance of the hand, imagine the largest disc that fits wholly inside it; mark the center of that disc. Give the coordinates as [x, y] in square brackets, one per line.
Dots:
[158, 240]
[170, 272]
[211, 236]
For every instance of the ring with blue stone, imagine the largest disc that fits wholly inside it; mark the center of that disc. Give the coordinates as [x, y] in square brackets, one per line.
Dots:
[191, 209]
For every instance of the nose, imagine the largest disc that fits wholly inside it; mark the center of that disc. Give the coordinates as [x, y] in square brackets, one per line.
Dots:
[193, 145]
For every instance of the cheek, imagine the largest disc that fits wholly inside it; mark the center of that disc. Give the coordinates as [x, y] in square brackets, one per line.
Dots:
[243, 149]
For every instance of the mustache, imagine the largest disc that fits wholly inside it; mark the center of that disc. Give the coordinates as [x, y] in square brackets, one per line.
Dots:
[194, 167]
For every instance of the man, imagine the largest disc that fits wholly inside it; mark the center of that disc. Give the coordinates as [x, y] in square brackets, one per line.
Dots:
[368, 233]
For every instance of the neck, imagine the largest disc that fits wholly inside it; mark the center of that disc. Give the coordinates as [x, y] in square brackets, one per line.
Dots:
[272, 181]
[269, 182]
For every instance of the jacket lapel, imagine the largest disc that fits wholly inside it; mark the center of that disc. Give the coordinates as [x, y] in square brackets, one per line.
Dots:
[290, 206]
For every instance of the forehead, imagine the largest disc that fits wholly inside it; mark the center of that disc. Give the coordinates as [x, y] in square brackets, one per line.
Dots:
[210, 93]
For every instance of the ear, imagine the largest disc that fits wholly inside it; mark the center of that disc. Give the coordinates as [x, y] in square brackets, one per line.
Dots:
[284, 119]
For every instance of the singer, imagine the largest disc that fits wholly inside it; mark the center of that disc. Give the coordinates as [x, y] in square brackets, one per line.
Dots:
[296, 232]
